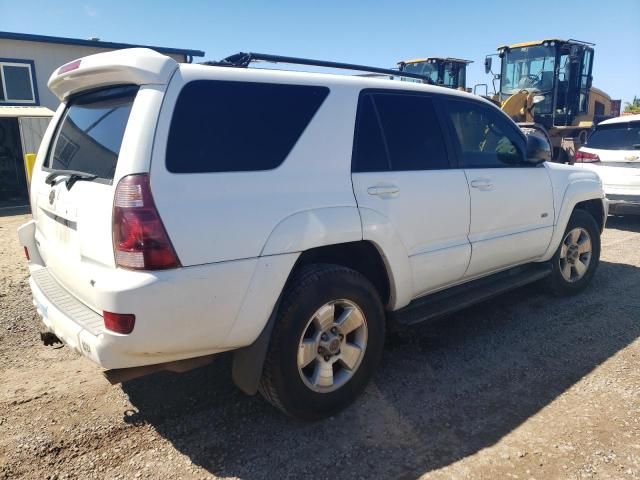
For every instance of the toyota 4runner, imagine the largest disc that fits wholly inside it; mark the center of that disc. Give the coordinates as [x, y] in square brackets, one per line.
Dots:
[181, 210]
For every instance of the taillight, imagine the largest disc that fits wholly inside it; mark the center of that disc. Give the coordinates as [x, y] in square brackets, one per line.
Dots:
[26, 253]
[140, 241]
[119, 322]
[586, 157]
[67, 67]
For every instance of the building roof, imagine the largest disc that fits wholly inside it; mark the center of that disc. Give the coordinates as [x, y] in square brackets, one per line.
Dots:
[27, 37]
[10, 111]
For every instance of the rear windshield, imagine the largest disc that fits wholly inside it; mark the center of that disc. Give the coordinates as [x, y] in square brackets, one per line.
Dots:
[90, 134]
[616, 136]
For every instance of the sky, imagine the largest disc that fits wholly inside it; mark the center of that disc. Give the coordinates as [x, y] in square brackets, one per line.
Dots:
[378, 33]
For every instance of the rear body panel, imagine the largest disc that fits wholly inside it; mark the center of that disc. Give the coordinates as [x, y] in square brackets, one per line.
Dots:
[238, 211]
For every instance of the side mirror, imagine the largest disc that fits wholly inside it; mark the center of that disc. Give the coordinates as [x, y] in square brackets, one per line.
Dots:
[538, 149]
[487, 64]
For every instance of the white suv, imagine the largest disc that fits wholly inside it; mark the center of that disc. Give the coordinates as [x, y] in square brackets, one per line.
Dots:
[180, 211]
[613, 152]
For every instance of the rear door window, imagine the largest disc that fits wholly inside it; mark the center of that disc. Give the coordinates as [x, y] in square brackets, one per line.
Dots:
[90, 134]
[223, 126]
[398, 132]
[616, 136]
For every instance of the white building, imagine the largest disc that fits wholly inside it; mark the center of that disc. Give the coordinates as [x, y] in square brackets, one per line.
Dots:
[27, 61]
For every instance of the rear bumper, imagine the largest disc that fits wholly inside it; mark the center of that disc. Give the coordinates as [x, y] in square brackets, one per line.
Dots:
[181, 313]
[82, 329]
[81, 337]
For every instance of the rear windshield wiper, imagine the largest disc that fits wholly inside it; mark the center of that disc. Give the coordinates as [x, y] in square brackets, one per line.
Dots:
[74, 176]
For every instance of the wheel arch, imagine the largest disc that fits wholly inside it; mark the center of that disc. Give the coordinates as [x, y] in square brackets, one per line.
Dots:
[362, 256]
[579, 194]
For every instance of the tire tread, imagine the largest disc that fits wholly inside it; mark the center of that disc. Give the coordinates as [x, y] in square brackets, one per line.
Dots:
[304, 278]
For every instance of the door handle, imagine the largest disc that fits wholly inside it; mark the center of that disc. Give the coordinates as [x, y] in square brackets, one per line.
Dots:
[383, 190]
[482, 184]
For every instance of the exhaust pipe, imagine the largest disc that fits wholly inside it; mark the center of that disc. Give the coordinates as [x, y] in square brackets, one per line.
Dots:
[49, 339]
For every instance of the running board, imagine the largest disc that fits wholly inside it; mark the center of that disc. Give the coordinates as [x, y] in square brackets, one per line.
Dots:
[462, 296]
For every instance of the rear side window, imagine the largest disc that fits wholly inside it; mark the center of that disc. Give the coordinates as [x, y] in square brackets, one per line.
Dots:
[90, 134]
[616, 136]
[398, 132]
[221, 126]
[486, 138]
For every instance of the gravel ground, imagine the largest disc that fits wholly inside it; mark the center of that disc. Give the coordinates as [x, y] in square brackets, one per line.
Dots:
[524, 386]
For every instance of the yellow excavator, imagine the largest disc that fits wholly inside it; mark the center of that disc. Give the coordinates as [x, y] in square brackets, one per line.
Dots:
[545, 86]
[444, 71]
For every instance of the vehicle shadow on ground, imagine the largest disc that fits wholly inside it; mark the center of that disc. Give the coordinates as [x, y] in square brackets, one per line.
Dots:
[9, 211]
[629, 223]
[444, 391]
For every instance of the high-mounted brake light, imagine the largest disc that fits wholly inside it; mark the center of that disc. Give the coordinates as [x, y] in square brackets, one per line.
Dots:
[119, 322]
[586, 157]
[140, 241]
[67, 67]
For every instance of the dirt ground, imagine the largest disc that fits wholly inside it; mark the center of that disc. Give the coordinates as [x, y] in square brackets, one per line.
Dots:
[524, 386]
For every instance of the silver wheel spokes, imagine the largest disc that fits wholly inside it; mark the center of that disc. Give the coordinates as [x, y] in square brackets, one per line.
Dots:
[575, 254]
[332, 345]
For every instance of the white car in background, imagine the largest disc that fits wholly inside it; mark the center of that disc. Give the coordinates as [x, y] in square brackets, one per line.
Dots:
[613, 152]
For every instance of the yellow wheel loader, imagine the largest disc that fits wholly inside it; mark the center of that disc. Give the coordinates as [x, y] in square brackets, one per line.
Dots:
[546, 86]
[444, 71]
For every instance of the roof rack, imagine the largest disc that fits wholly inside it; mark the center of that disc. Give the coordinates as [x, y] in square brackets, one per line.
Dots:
[242, 60]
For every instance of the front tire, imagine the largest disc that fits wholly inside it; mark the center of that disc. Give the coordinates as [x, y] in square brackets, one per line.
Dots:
[576, 260]
[326, 343]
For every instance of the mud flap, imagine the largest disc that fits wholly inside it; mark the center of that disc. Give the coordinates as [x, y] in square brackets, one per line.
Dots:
[248, 361]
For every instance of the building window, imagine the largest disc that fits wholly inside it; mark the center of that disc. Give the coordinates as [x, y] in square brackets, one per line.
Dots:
[17, 82]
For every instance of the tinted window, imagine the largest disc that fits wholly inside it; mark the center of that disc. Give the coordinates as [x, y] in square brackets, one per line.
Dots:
[221, 126]
[486, 138]
[398, 132]
[90, 134]
[370, 152]
[616, 136]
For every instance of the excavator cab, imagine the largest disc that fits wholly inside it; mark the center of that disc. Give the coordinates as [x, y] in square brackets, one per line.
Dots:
[555, 74]
[446, 72]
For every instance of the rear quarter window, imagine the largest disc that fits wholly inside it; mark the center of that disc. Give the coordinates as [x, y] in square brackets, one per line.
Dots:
[224, 126]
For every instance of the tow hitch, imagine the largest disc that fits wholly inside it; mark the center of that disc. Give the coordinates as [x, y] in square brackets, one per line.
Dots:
[49, 338]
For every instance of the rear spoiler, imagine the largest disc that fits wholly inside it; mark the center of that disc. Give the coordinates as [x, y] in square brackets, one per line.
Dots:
[138, 66]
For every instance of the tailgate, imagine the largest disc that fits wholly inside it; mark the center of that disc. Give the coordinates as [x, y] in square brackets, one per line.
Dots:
[99, 135]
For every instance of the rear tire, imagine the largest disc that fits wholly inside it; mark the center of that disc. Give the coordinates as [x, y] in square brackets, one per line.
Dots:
[326, 343]
[576, 260]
